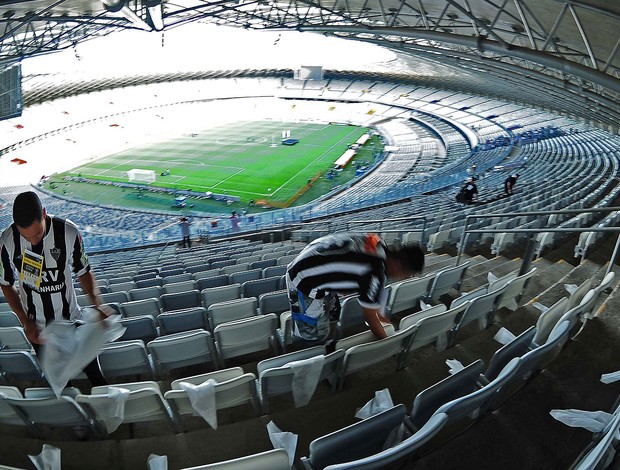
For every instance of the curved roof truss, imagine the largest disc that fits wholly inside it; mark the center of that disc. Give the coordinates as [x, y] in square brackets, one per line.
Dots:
[571, 46]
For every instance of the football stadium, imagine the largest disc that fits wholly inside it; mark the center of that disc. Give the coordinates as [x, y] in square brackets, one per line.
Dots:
[185, 154]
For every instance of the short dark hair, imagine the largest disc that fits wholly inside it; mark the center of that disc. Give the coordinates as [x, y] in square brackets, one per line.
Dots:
[27, 209]
[411, 257]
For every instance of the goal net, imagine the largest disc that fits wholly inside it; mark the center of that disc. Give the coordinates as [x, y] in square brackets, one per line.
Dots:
[141, 176]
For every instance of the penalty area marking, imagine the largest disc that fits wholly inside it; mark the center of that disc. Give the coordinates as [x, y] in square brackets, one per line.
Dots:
[233, 141]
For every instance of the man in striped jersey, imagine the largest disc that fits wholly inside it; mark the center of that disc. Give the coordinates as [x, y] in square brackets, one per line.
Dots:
[344, 263]
[38, 253]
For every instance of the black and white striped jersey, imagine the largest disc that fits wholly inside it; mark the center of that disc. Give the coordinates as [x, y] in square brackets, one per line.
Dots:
[343, 263]
[63, 252]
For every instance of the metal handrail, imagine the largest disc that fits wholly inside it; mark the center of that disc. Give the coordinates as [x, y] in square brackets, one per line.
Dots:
[413, 218]
[393, 219]
[529, 251]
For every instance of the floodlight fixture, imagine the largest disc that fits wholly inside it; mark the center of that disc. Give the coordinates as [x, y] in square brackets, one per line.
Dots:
[154, 9]
[119, 6]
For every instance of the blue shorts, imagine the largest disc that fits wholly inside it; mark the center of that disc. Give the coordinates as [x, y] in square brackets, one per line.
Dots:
[311, 317]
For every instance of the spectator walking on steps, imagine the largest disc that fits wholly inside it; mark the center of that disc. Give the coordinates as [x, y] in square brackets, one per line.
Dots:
[185, 224]
[510, 183]
[44, 250]
[234, 221]
[468, 192]
[344, 263]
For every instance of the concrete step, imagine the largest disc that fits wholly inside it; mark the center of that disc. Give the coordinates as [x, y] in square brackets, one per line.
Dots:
[555, 291]
[478, 275]
[610, 305]
[547, 274]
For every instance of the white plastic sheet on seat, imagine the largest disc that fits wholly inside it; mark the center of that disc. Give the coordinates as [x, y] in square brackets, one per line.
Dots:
[48, 459]
[157, 462]
[112, 410]
[570, 288]
[424, 305]
[455, 365]
[381, 402]
[611, 377]
[540, 307]
[491, 278]
[504, 336]
[306, 375]
[202, 398]
[593, 421]
[70, 346]
[396, 436]
[283, 440]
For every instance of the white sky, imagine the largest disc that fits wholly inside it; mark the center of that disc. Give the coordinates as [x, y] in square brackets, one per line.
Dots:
[198, 46]
[195, 46]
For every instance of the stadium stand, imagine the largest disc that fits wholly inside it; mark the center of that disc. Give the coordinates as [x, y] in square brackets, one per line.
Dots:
[198, 310]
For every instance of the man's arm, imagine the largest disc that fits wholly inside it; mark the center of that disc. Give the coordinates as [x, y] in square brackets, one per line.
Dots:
[30, 327]
[375, 321]
[89, 286]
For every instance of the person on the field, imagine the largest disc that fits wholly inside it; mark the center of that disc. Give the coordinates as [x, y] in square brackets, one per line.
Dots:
[38, 254]
[345, 263]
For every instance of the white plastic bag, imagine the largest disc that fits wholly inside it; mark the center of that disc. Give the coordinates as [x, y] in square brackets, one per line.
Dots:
[111, 409]
[503, 336]
[540, 307]
[454, 365]
[157, 462]
[594, 421]
[48, 459]
[381, 402]
[70, 346]
[202, 398]
[283, 440]
[306, 375]
[611, 377]
[570, 288]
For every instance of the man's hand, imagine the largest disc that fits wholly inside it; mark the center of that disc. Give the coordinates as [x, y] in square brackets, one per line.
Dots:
[32, 332]
[104, 312]
[375, 320]
[31, 329]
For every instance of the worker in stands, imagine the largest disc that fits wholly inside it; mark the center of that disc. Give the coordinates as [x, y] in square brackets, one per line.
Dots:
[510, 183]
[345, 263]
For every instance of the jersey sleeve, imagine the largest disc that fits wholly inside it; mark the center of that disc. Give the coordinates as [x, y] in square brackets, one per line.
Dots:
[7, 273]
[372, 284]
[371, 291]
[80, 262]
[7, 267]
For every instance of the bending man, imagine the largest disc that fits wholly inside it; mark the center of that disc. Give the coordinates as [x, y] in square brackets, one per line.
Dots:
[344, 263]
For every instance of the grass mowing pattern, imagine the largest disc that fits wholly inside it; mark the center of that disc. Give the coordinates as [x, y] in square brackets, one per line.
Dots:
[234, 159]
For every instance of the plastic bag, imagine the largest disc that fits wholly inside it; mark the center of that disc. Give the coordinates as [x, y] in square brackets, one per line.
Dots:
[381, 402]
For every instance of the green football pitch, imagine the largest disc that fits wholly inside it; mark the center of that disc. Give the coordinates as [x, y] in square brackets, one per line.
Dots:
[244, 159]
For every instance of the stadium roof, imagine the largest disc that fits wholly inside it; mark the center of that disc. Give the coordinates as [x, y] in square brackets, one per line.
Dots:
[560, 54]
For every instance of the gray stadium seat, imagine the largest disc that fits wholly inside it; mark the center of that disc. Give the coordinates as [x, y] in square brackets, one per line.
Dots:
[516, 348]
[452, 387]
[248, 335]
[273, 302]
[260, 286]
[180, 300]
[182, 349]
[446, 280]
[183, 320]
[356, 441]
[123, 358]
